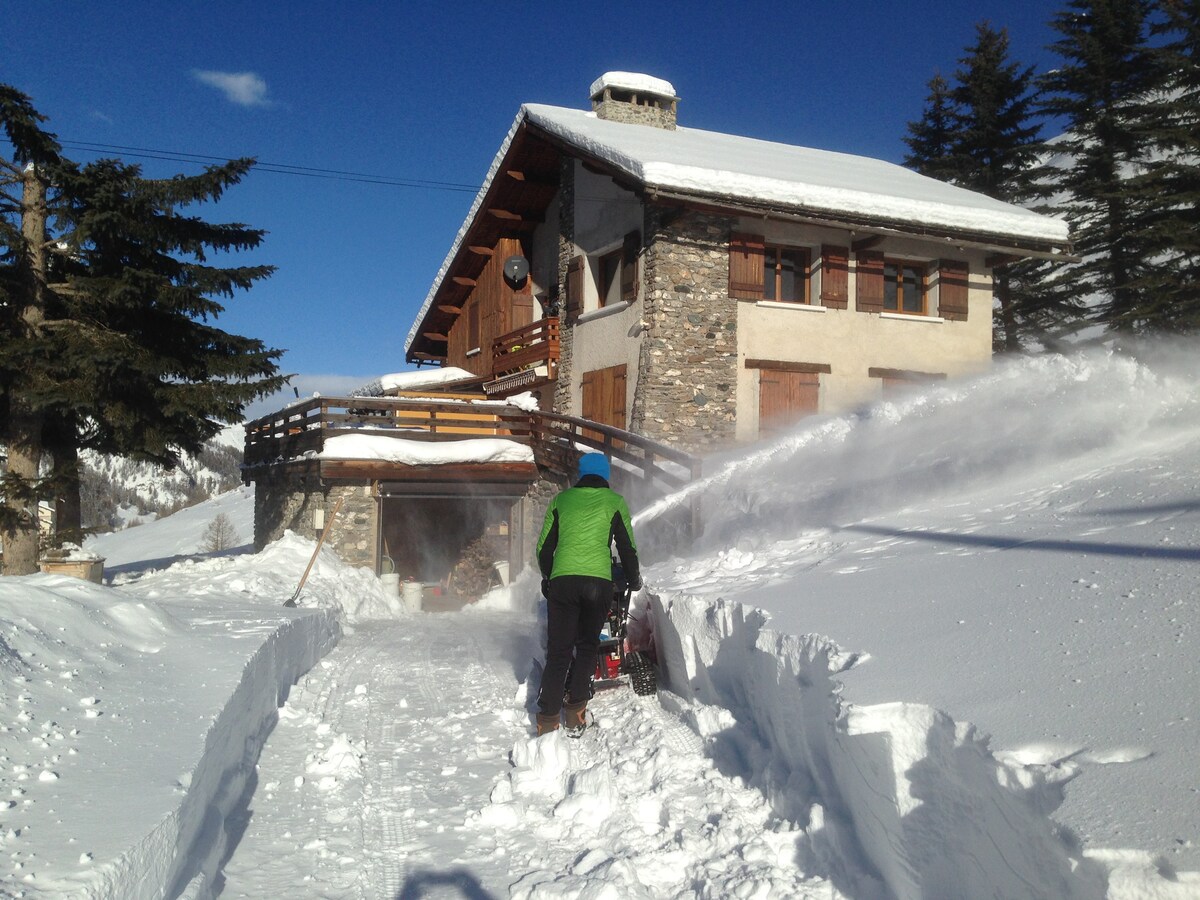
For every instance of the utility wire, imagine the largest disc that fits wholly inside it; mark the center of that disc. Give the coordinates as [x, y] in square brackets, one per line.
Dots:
[277, 168]
[304, 171]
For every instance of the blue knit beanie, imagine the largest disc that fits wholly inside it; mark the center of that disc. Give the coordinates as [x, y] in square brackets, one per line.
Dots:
[594, 464]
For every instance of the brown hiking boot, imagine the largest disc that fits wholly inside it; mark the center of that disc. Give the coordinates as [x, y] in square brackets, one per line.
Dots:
[546, 724]
[574, 716]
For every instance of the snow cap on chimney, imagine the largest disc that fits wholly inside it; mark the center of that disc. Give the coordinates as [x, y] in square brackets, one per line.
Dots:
[634, 98]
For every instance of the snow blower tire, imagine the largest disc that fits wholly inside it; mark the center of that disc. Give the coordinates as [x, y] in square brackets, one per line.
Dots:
[641, 673]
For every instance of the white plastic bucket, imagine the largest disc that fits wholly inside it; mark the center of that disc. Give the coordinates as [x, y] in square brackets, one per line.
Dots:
[391, 589]
[414, 594]
[501, 568]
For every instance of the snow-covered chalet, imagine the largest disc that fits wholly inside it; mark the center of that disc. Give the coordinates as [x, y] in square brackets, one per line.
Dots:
[704, 288]
[661, 292]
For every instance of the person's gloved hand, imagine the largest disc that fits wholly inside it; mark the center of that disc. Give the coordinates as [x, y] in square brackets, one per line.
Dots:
[546, 588]
[635, 583]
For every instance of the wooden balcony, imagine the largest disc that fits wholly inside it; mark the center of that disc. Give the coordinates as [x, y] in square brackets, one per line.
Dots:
[524, 359]
[295, 437]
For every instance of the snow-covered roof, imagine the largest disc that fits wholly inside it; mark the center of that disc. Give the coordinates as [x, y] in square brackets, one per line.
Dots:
[632, 81]
[740, 168]
[407, 381]
[387, 448]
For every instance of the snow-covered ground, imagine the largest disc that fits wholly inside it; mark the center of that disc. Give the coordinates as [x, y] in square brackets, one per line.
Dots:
[873, 596]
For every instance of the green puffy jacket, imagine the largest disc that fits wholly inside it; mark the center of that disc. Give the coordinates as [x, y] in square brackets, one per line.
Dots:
[581, 525]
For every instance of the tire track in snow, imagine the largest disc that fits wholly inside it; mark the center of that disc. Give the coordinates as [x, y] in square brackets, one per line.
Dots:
[451, 804]
[426, 709]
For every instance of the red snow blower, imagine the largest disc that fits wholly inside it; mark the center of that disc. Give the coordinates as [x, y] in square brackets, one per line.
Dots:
[616, 657]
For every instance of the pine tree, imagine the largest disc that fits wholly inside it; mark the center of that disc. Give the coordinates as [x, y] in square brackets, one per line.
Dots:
[24, 224]
[118, 352]
[932, 140]
[1170, 186]
[1107, 70]
[981, 133]
[996, 141]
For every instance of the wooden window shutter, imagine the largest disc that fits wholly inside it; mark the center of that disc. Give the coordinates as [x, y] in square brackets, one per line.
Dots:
[952, 295]
[629, 266]
[746, 252]
[835, 265]
[575, 271]
[868, 281]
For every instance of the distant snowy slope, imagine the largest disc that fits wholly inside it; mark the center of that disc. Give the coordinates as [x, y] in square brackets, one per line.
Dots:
[176, 536]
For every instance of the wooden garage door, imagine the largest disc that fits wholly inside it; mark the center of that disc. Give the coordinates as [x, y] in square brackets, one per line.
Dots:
[604, 397]
[784, 397]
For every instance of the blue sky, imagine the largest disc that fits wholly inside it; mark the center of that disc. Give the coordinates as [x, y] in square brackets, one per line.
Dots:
[425, 92]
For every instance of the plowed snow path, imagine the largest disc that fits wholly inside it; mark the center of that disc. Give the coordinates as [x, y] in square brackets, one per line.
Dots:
[403, 767]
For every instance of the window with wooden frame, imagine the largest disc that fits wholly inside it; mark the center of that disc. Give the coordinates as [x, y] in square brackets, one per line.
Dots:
[905, 287]
[608, 278]
[762, 271]
[786, 274]
[473, 325]
[616, 272]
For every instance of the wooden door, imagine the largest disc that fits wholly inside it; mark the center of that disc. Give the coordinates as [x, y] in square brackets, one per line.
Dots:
[784, 397]
[604, 398]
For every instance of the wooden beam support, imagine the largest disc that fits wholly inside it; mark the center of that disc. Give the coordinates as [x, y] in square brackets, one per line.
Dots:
[434, 336]
[479, 250]
[506, 215]
[532, 179]
[418, 354]
[450, 310]
[464, 280]
[780, 366]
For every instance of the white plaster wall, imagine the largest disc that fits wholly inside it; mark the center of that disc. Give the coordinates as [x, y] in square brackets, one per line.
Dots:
[543, 267]
[604, 214]
[851, 342]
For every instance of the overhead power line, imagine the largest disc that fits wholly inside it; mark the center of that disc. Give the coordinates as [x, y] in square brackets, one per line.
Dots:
[277, 168]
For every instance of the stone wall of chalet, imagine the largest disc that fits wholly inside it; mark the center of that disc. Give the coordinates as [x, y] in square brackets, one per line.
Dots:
[566, 249]
[687, 373]
[289, 504]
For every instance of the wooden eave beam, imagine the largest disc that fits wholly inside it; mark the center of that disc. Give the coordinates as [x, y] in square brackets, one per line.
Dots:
[480, 250]
[464, 281]
[532, 179]
[450, 310]
[866, 243]
[434, 336]
[511, 216]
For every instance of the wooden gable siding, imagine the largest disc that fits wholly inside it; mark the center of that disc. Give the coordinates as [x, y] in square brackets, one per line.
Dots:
[500, 310]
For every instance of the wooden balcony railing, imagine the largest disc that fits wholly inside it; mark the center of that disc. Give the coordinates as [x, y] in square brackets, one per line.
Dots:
[297, 433]
[527, 348]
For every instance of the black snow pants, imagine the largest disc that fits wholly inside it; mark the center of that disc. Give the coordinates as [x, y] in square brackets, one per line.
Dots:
[575, 613]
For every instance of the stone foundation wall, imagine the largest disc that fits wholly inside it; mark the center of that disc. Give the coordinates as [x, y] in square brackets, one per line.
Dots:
[687, 372]
[290, 504]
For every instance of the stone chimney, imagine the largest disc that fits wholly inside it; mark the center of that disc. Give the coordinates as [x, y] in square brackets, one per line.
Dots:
[634, 99]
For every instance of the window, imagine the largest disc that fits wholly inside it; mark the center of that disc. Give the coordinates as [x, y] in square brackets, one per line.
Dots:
[905, 287]
[608, 278]
[785, 274]
[616, 272]
[761, 271]
[473, 325]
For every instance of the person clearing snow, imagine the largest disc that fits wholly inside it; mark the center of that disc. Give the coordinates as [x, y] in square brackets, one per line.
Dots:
[575, 557]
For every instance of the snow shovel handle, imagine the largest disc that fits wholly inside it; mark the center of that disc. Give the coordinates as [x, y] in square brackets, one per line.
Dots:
[291, 601]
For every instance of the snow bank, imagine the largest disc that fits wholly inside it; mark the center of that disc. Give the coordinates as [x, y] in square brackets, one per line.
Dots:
[152, 700]
[900, 785]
